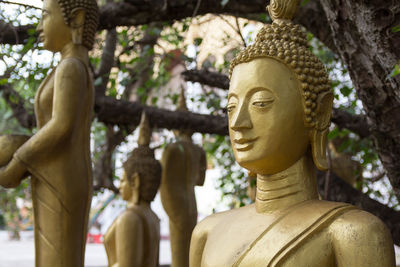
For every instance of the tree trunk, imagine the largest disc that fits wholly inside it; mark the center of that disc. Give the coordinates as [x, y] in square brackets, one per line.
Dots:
[363, 36]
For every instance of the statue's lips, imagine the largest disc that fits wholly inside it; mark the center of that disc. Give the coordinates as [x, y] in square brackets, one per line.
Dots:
[41, 37]
[244, 144]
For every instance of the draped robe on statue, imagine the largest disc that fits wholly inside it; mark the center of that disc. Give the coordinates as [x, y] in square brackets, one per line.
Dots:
[291, 231]
[58, 158]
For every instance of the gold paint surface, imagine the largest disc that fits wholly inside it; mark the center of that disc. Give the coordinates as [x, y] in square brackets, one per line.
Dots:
[279, 110]
[184, 165]
[57, 157]
[133, 238]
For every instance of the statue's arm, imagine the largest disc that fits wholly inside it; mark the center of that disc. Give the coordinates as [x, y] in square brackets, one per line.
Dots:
[109, 244]
[12, 174]
[70, 88]
[199, 239]
[129, 240]
[361, 239]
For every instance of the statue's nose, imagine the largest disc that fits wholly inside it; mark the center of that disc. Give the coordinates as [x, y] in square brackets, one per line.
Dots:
[240, 119]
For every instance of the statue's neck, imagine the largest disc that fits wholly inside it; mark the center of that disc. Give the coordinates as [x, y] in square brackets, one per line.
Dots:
[279, 191]
[75, 51]
[142, 204]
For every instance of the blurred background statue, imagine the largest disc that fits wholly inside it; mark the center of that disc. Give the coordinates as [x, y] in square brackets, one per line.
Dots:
[279, 108]
[58, 156]
[184, 166]
[133, 238]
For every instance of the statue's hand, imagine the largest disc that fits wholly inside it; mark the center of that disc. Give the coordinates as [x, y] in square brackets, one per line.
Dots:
[12, 174]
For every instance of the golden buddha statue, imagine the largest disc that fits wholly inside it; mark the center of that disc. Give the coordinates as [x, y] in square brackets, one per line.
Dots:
[184, 166]
[279, 107]
[133, 238]
[58, 156]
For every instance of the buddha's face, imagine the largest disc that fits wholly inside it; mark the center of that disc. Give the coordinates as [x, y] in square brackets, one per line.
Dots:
[265, 111]
[53, 31]
[125, 188]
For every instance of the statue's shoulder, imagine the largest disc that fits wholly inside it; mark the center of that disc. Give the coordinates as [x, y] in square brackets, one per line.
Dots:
[209, 223]
[71, 68]
[356, 223]
[129, 217]
[360, 231]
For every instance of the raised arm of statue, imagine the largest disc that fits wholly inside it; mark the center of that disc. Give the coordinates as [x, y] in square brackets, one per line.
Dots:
[70, 89]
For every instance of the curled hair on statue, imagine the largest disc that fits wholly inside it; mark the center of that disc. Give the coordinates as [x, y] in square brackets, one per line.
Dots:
[142, 162]
[68, 7]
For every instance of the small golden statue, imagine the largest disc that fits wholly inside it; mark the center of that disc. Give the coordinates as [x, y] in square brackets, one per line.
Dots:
[58, 156]
[184, 166]
[133, 238]
[279, 107]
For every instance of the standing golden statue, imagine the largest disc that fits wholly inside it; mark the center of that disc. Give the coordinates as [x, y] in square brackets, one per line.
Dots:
[279, 107]
[133, 238]
[184, 166]
[58, 155]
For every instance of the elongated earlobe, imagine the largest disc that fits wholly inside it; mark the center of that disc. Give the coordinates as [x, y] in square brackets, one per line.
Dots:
[76, 23]
[135, 188]
[318, 145]
[319, 135]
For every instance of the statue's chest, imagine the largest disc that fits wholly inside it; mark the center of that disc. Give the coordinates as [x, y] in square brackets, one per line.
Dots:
[230, 239]
[228, 242]
[44, 102]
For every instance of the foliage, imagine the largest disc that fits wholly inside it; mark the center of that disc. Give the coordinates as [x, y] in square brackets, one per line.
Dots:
[142, 71]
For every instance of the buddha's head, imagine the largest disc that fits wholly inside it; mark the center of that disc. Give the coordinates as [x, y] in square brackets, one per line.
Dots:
[279, 101]
[65, 21]
[142, 176]
[142, 172]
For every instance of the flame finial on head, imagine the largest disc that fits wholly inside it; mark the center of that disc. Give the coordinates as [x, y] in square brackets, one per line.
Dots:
[182, 101]
[282, 9]
[144, 131]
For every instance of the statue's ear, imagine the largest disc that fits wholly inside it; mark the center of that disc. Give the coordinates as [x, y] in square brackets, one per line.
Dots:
[77, 20]
[319, 134]
[135, 180]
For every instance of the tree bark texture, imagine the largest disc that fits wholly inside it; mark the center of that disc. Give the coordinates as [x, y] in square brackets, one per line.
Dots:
[362, 33]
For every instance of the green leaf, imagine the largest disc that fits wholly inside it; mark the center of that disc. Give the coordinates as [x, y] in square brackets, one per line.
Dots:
[395, 71]
[333, 134]
[345, 90]
[396, 28]
[198, 41]
[3, 81]
[304, 2]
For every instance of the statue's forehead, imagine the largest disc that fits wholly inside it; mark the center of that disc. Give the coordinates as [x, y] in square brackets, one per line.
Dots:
[265, 73]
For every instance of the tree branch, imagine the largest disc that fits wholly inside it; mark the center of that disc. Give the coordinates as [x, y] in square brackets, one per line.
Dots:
[103, 171]
[107, 61]
[139, 12]
[355, 123]
[120, 112]
[16, 103]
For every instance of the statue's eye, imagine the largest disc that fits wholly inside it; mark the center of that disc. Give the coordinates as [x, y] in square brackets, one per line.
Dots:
[262, 103]
[230, 108]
